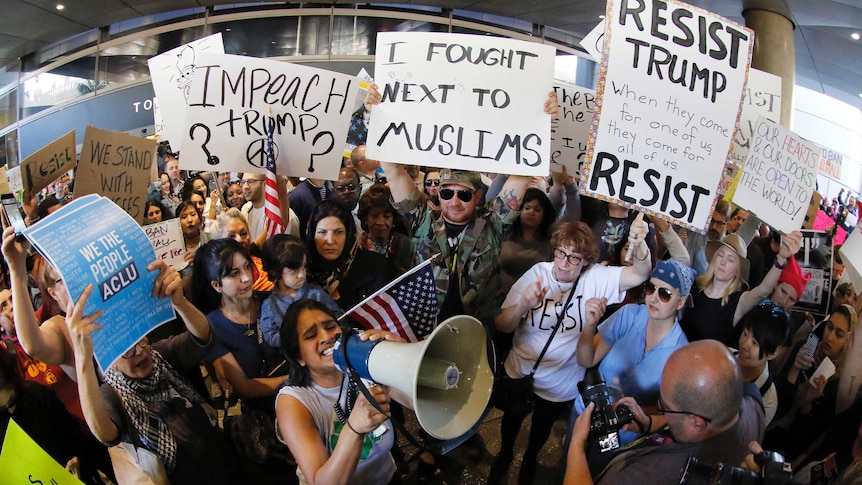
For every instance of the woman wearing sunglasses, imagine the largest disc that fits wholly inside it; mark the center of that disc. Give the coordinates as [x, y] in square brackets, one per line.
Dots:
[432, 187]
[531, 311]
[633, 345]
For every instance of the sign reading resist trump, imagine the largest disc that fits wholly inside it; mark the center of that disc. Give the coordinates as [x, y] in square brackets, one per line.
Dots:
[462, 101]
[670, 91]
[235, 101]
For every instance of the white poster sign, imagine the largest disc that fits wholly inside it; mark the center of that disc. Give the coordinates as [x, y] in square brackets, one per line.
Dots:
[851, 254]
[762, 98]
[235, 100]
[16, 183]
[594, 42]
[172, 73]
[670, 97]
[462, 101]
[168, 243]
[779, 176]
[570, 132]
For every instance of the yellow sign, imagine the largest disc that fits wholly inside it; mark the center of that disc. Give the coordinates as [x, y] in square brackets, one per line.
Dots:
[24, 461]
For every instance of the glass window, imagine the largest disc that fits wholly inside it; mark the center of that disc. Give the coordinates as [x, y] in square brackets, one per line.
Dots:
[63, 84]
[9, 149]
[8, 108]
[9, 74]
[495, 20]
[126, 27]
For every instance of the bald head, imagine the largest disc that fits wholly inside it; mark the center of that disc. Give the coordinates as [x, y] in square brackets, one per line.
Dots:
[704, 378]
[361, 163]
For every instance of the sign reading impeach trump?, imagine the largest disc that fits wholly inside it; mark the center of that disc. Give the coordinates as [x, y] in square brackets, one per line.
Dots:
[235, 101]
[462, 101]
[670, 97]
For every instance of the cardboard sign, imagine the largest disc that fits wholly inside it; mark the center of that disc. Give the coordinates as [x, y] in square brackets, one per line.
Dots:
[117, 166]
[594, 42]
[4, 182]
[168, 243]
[49, 163]
[93, 241]
[779, 176]
[571, 131]
[762, 98]
[24, 461]
[172, 73]
[670, 96]
[235, 99]
[815, 257]
[462, 101]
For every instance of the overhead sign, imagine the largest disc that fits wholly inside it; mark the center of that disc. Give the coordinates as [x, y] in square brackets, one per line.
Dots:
[172, 73]
[117, 166]
[670, 93]
[236, 100]
[779, 176]
[462, 101]
[48, 164]
[570, 132]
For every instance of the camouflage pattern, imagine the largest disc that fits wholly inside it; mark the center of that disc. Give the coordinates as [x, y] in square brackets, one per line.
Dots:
[478, 256]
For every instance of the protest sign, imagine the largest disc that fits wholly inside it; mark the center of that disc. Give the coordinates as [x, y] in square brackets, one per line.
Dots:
[462, 101]
[91, 240]
[815, 257]
[172, 73]
[4, 182]
[851, 255]
[762, 98]
[22, 460]
[779, 176]
[118, 166]
[830, 163]
[670, 95]
[235, 100]
[571, 131]
[168, 243]
[594, 42]
[16, 185]
[49, 163]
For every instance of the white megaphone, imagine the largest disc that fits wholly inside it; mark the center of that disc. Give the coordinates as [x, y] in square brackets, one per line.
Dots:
[446, 377]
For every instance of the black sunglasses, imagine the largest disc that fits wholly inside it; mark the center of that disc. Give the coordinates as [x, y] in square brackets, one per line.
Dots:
[664, 294]
[430, 182]
[464, 195]
[661, 408]
[345, 188]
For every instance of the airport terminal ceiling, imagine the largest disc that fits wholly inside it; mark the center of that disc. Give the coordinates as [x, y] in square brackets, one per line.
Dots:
[828, 54]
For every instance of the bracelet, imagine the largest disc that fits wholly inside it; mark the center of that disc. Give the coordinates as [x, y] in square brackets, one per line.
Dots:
[649, 426]
[779, 266]
[645, 255]
[347, 422]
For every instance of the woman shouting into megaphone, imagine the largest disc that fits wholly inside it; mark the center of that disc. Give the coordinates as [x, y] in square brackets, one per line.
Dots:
[334, 435]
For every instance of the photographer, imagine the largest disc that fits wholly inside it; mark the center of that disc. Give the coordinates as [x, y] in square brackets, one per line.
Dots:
[704, 411]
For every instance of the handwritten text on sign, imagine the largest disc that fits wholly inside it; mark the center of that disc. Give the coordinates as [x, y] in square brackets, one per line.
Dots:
[570, 133]
[49, 163]
[117, 166]
[167, 240]
[233, 99]
[462, 101]
[671, 93]
[762, 98]
[779, 176]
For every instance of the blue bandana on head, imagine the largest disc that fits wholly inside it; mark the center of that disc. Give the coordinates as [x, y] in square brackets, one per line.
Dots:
[675, 274]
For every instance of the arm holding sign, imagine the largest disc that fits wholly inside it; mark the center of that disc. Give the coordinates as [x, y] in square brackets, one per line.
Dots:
[790, 244]
[170, 283]
[637, 273]
[672, 242]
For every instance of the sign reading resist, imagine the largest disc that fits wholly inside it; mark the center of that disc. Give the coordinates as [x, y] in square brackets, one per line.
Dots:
[670, 97]
[462, 101]
[235, 101]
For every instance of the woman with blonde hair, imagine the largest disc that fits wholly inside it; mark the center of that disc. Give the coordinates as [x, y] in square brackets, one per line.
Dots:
[721, 300]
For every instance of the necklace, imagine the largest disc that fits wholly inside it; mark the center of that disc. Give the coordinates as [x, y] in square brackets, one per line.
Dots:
[556, 281]
[250, 320]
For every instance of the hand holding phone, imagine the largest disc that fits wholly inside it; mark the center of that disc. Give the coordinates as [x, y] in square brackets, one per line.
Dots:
[14, 216]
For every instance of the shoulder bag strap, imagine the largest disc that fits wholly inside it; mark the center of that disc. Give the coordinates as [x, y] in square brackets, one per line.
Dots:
[557, 326]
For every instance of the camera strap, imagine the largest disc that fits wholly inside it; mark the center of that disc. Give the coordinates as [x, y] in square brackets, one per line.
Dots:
[559, 323]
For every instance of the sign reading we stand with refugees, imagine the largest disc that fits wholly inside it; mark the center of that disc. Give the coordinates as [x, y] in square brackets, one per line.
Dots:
[671, 83]
[570, 132]
[779, 176]
[462, 101]
[235, 101]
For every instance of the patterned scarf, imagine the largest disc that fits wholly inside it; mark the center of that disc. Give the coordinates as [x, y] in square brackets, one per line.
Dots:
[329, 278]
[164, 384]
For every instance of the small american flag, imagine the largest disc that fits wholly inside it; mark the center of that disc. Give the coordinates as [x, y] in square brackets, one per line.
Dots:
[272, 208]
[407, 306]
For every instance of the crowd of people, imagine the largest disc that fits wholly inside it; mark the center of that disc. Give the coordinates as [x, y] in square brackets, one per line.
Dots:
[694, 334]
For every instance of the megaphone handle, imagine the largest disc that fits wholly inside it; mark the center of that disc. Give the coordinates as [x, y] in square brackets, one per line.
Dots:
[382, 429]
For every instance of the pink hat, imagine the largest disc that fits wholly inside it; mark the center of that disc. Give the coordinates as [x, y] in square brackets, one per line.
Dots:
[792, 275]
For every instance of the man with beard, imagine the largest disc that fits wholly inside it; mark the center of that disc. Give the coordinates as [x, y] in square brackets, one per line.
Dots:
[253, 185]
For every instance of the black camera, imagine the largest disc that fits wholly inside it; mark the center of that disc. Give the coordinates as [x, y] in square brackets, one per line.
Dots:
[606, 421]
[773, 471]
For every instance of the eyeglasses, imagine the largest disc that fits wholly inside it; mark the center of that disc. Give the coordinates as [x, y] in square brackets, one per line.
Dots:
[430, 182]
[464, 195]
[661, 408]
[714, 222]
[664, 294]
[345, 188]
[248, 181]
[143, 344]
[573, 259]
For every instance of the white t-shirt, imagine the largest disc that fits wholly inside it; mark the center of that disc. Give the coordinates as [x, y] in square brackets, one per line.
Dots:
[257, 221]
[558, 374]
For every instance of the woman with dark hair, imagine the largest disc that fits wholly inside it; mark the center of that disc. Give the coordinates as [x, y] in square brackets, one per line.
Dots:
[155, 211]
[385, 231]
[337, 262]
[233, 225]
[528, 241]
[327, 427]
[166, 193]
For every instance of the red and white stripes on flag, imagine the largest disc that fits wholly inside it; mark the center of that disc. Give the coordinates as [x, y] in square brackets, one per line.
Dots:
[272, 208]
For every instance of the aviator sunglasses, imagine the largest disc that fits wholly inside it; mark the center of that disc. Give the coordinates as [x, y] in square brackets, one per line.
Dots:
[464, 195]
[430, 182]
[664, 294]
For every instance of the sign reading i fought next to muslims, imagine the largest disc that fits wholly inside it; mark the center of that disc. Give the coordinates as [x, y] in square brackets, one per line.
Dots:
[670, 88]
